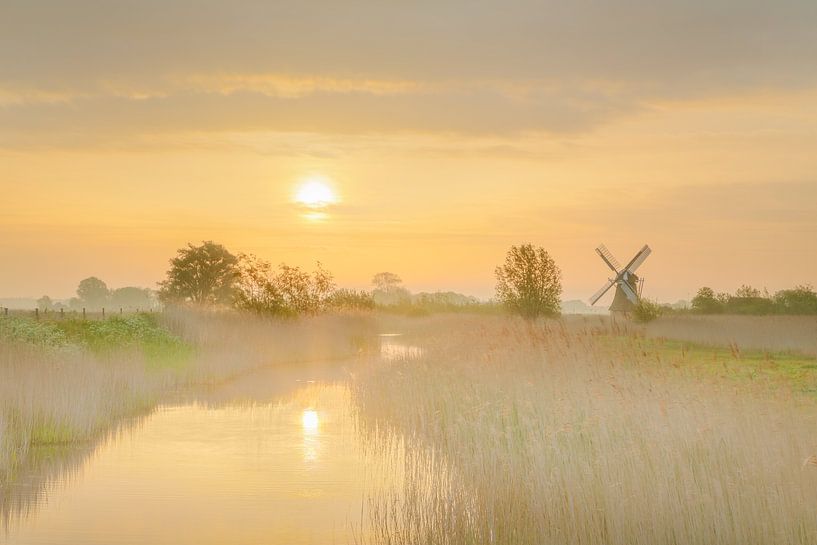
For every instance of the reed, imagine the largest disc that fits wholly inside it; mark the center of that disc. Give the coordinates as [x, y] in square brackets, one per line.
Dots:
[544, 433]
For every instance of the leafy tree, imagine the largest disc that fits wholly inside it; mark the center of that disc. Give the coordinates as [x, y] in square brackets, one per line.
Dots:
[529, 282]
[386, 281]
[93, 293]
[287, 291]
[204, 274]
[749, 300]
[389, 291]
[747, 292]
[45, 303]
[132, 298]
[800, 300]
[706, 302]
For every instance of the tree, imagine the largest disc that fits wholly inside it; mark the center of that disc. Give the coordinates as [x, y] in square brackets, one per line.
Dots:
[203, 274]
[799, 300]
[132, 298]
[529, 282]
[45, 303]
[706, 302]
[388, 290]
[287, 291]
[386, 281]
[93, 293]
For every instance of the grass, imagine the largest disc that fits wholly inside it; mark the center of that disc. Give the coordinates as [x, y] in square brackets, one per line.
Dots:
[776, 369]
[579, 432]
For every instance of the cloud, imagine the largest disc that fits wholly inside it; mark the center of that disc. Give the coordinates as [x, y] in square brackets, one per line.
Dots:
[91, 71]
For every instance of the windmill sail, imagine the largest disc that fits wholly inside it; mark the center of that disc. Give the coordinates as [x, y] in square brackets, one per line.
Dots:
[608, 258]
[638, 259]
[599, 294]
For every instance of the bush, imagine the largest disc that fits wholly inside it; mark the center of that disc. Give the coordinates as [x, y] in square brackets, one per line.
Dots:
[646, 311]
[346, 299]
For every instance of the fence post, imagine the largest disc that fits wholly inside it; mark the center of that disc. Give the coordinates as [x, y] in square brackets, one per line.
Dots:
[83, 313]
[62, 313]
[37, 313]
[120, 311]
[5, 311]
[103, 313]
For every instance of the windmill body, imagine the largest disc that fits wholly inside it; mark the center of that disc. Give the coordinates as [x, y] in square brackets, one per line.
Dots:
[628, 284]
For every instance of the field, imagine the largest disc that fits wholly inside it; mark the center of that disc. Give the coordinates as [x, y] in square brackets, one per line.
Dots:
[583, 431]
[580, 430]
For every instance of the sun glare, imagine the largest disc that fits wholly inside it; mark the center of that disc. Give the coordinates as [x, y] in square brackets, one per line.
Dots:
[310, 421]
[315, 192]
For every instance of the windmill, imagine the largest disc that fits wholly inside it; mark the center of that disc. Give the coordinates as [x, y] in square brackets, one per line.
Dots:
[628, 285]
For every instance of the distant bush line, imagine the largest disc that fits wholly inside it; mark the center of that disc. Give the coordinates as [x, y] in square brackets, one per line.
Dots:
[800, 300]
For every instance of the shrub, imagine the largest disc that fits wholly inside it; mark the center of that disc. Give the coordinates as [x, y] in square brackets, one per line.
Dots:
[646, 311]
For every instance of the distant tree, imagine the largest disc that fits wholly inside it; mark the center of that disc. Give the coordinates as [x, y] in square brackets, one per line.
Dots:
[386, 281]
[747, 292]
[749, 300]
[203, 274]
[529, 282]
[132, 298]
[799, 300]
[388, 290]
[706, 302]
[287, 291]
[45, 303]
[93, 293]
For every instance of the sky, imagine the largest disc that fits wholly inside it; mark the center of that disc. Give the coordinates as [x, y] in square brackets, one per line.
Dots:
[447, 130]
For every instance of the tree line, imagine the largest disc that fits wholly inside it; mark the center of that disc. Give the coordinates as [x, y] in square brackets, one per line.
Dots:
[528, 283]
[93, 294]
[749, 300]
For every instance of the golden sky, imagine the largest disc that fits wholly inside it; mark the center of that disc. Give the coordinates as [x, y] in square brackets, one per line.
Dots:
[449, 131]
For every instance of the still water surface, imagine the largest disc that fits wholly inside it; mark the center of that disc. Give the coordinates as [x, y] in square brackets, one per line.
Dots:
[270, 458]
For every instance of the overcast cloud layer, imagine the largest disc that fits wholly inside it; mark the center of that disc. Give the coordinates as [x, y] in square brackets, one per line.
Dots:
[96, 70]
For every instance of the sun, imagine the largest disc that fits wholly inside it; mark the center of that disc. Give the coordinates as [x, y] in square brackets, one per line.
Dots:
[315, 192]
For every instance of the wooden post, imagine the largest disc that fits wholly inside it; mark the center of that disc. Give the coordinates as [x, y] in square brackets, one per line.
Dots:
[6, 311]
[83, 313]
[62, 313]
[103, 313]
[120, 311]
[37, 313]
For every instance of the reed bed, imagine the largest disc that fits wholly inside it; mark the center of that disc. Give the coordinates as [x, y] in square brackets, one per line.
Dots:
[57, 394]
[797, 333]
[547, 433]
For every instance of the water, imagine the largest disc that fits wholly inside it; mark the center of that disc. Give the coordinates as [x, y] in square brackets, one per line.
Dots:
[270, 458]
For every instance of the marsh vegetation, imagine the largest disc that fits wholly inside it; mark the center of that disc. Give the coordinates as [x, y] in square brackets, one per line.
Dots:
[474, 428]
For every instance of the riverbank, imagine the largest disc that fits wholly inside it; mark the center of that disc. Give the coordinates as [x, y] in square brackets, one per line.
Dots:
[72, 381]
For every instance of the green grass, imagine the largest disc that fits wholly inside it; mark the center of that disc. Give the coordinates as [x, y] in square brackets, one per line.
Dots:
[786, 367]
[140, 332]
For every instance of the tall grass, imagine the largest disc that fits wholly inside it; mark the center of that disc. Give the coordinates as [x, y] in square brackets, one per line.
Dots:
[73, 382]
[545, 433]
[760, 332]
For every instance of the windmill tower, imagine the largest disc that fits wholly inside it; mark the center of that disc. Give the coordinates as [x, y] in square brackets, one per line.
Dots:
[628, 285]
